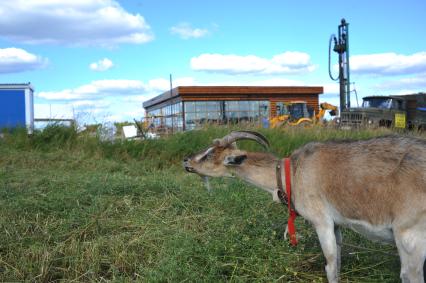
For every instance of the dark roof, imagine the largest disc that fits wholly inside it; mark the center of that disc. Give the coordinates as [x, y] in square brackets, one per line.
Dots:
[193, 91]
[377, 96]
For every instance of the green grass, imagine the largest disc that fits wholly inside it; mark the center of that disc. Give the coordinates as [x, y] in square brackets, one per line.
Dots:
[74, 208]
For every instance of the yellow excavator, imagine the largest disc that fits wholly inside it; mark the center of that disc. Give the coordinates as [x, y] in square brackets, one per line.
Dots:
[324, 107]
[296, 113]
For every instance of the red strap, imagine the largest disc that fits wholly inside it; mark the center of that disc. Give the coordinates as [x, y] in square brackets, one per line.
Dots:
[291, 211]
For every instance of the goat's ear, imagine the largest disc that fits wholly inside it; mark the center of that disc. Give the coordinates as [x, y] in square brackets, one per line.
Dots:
[216, 142]
[234, 159]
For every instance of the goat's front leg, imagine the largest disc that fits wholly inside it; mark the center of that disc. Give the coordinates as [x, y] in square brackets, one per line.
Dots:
[327, 238]
[339, 242]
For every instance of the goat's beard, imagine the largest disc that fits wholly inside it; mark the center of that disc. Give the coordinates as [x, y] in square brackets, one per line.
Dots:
[206, 182]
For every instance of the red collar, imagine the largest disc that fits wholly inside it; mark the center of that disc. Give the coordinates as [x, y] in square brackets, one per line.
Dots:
[291, 211]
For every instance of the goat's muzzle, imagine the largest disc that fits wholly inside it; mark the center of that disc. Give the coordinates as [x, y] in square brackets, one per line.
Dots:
[187, 166]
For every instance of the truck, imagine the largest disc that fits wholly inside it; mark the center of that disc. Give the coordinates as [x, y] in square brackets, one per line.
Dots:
[396, 111]
[17, 106]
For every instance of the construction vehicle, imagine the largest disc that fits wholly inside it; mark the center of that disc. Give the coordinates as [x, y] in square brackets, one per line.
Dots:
[402, 111]
[324, 107]
[293, 113]
[397, 111]
[297, 113]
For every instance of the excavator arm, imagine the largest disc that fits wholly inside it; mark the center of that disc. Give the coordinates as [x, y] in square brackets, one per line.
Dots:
[324, 107]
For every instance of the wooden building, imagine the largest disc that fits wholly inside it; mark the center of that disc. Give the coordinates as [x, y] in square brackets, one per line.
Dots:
[185, 107]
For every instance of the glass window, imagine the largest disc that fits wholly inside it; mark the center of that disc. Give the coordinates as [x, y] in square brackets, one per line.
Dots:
[282, 109]
[198, 112]
[201, 117]
[231, 108]
[213, 116]
[212, 106]
[254, 106]
[264, 108]
[213, 111]
[376, 102]
[200, 106]
[190, 117]
[231, 105]
[298, 110]
[189, 106]
[244, 108]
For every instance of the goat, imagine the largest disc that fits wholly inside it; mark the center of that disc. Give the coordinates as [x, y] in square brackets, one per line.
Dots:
[376, 187]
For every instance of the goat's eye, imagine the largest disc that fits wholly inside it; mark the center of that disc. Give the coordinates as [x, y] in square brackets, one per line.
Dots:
[209, 156]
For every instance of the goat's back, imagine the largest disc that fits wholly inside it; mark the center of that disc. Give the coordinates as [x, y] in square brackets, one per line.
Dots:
[375, 180]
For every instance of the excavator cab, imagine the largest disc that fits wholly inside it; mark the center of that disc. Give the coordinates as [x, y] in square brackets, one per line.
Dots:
[298, 110]
[291, 113]
[295, 110]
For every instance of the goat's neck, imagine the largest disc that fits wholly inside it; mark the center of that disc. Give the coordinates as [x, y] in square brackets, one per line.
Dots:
[259, 169]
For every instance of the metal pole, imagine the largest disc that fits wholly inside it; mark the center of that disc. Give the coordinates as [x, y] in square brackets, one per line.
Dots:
[348, 81]
[171, 107]
[341, 81]
[342, 48]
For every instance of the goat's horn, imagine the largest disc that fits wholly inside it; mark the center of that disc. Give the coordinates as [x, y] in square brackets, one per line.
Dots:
[244, 135]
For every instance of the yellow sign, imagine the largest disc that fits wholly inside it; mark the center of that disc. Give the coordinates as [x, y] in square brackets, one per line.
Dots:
[400, 120]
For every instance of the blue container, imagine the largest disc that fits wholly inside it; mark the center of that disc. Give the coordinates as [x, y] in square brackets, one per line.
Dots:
[17, 106]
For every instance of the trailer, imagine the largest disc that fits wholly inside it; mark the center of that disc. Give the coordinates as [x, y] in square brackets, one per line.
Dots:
[17, 106]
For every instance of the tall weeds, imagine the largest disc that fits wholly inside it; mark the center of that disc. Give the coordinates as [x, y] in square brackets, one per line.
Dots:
[76, 208]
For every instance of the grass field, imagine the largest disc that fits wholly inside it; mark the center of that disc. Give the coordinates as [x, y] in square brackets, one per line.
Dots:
[76, 209]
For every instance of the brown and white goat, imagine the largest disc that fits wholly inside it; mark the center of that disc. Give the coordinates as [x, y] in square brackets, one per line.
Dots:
[377, 187]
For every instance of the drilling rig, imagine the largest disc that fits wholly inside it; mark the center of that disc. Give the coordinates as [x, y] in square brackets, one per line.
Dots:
[403, 111]
[341, 47]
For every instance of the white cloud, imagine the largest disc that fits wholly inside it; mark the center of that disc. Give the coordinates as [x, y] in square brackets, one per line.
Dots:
[163, 84]
[331, 88]
[55, 111]
[186, 31]
[71, 22]
[284, 63]
[388, 64]
[90, 104]
[15, 60]
[118, 88]
[84, 112]
[265, 82]
[97, 90]
[415, 82]
[102, 65]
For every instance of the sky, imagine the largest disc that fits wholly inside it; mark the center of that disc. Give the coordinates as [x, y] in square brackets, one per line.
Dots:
[98, 60]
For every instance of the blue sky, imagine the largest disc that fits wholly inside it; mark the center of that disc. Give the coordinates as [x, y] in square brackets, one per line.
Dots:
[100, 59]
